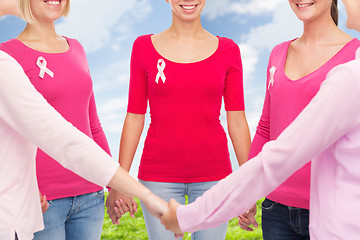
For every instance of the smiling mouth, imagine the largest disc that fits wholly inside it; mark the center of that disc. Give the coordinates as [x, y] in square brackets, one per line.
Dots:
[188, 7]
[304, 5]
[53, 2]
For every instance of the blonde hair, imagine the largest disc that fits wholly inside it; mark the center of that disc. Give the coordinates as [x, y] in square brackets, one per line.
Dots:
[26, 13]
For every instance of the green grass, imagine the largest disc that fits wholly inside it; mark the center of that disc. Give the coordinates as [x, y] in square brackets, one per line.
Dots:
[134, 229]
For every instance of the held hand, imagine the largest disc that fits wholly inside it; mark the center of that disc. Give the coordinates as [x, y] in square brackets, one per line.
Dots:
[44, 203]
[169, 218]
[248, 218]
[118, 204]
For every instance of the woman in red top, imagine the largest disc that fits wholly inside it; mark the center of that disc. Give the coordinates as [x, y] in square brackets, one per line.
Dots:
[184, 72]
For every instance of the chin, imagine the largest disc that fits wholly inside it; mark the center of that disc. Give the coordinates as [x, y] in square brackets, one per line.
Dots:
[353, 25]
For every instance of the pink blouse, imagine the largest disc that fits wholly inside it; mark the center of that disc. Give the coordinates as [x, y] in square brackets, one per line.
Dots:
[327, 131]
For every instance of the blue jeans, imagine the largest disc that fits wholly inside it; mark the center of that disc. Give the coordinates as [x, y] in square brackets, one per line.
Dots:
[166, 191]
[74, 218]
[281, 222]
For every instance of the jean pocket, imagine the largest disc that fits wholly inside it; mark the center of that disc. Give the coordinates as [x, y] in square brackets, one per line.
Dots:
[99, 193]
[267, 204]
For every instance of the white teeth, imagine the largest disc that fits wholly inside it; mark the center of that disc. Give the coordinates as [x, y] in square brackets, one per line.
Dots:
[53, 2]
[188, 7]
[305, 5]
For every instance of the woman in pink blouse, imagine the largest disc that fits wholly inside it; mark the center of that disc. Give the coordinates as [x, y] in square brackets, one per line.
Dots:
[295, 70]
[184, 73]
[326, 131]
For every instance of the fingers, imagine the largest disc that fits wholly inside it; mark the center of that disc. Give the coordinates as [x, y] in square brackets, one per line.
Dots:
[44, 204]
[178, 235]
[173, 203]
[169, 218]
[134, 203]
[247, 219]
[246, 228]
[253, 221]
[243, 220]
[120, 208]
[251, 216]
[244, 223]
[127, 206]
[114, 215]
[118, 204]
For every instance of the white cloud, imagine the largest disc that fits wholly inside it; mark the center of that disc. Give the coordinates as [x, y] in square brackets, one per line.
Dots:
[283, 27]
[249, 58]
[94, 23]
[112, 113]
[114, 76]
[216, 8]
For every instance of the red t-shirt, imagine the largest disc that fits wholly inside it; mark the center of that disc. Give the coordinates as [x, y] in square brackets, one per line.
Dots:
[185, 141]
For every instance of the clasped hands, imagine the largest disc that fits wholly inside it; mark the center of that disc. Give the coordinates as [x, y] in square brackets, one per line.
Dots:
[118, 204]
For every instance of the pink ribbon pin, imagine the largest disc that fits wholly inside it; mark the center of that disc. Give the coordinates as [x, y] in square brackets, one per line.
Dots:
[271, 77]
[41, 63]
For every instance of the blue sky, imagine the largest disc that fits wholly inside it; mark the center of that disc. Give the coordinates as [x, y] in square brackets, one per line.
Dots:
[108, 28]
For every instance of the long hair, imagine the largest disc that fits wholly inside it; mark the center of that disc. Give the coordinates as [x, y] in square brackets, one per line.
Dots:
[335, 12]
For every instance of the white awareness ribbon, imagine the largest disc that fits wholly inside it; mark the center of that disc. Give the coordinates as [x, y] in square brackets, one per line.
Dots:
[160, 66]
[41, 63]
[357, 55]
[271, 77]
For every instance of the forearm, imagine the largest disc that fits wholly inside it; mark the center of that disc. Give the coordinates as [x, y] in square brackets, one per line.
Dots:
[239, 134]
[123, 182]
[130, 137]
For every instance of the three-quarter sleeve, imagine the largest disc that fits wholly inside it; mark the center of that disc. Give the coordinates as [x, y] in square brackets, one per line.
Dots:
[234, 88]
[138, 97]
[262, 134]
[97, 131]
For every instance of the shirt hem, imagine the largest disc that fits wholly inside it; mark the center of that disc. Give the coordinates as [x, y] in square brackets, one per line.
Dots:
[87, 191]
[183, 180]
[291, 202]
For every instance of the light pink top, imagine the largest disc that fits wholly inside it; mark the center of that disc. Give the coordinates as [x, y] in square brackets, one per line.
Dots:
[28, 121]
[284, 100]
[327, 131]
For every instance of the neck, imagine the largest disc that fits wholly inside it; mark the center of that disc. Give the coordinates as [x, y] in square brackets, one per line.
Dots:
[319, 30]
[39, 31]
[186, 29]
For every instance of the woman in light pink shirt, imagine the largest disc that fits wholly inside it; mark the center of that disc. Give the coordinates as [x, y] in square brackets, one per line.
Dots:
[57, 67]
[27, 121]
[327, 131]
